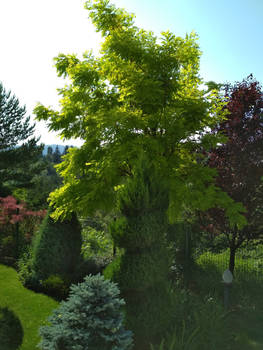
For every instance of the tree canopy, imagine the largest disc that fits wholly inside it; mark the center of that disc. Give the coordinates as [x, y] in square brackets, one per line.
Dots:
[140, 98]
[238, 162]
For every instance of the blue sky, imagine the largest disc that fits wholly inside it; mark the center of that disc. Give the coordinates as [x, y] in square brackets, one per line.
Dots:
[33, 32]
[230, 32]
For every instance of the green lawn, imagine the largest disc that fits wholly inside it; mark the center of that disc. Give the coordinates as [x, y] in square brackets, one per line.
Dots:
[32, 309]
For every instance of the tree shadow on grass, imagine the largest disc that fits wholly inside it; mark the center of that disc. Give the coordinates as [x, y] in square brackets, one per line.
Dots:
[11, 331]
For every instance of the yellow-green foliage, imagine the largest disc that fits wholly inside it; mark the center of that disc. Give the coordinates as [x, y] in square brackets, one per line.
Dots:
[141, 96]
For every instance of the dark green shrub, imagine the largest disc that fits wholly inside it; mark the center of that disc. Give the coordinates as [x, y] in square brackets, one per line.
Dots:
[92, 266]
[8, 245]
[91, 319]
[11, 331]
[55, 287]
[56, 248]
[7, 250]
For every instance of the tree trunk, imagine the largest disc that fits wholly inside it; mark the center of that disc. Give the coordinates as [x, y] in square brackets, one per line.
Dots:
[232, 259]
[16, 237]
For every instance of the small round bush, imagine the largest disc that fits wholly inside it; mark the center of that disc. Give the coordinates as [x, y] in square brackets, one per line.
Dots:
[90, 319]
[56, 287]
[11, 331]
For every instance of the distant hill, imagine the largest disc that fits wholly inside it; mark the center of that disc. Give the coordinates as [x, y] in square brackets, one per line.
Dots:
[60, 147]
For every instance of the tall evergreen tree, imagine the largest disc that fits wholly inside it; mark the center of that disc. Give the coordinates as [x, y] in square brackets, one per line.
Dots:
[57, 155]
[49, 153]
[65, 150]
[19, 152]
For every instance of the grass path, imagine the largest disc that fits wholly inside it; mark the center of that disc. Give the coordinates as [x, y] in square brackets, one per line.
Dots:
[31, 308]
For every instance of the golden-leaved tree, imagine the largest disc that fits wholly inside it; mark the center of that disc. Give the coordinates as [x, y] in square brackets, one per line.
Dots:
[139, 108]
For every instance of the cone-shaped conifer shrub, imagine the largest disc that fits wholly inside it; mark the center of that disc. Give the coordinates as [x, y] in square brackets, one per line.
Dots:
[91, 318]
[142, 271]
[57, 248]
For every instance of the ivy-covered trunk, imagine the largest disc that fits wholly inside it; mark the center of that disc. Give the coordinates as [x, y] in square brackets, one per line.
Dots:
[142, 271]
